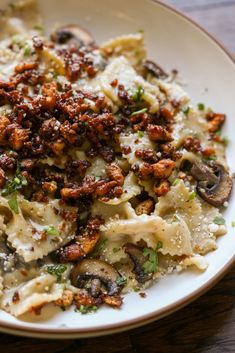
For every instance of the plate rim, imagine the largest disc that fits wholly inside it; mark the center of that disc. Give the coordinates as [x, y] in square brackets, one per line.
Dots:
[65, 332]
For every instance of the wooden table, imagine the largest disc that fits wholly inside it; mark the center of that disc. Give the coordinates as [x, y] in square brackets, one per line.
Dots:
[205, 326]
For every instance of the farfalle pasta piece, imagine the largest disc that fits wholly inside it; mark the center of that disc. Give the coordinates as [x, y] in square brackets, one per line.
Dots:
[31, 295]
[27, 230]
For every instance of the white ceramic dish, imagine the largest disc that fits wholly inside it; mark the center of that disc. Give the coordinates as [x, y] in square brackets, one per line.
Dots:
[209, 72]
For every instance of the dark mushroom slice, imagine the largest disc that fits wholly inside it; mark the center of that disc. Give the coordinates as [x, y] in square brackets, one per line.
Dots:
[96, 272]
[72, 35]
[202, 172]
[214, 184]
[136, 255]
[7, 257]
[155, 69]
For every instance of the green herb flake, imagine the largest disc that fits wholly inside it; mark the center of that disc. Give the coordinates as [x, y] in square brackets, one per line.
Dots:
[192, 195]
[151, 265]
[13, 203]
[139, 111]
[233, 224]
[176, 182]
[56, 270]
[225, 140]
[16, 184]
[201, 106]
[138, 94]
[121, 281]
[51, 230]
[38, 28]
[101, 246]
[27, 51]
[141, 133]
[186, 110]
[84, 309]
[136, 289]
[115, 250]
[219, 220]
[17, 180]
[211, 158]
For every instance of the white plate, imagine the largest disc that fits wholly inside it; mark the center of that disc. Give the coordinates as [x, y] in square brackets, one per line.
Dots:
[174, 42]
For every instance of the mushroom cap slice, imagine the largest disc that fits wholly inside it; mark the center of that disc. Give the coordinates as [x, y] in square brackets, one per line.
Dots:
[90, 269]
[155, 69]
[136, 255]
[72, 34]
[214, 184]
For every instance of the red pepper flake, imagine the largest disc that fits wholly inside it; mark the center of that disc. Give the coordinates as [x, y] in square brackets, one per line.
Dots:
[142, 295]
[114, 83]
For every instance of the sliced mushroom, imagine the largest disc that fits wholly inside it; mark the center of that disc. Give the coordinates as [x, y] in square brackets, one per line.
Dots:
[214, 184]
[138, 259]
[72, 35]
[91, 270]
[95, 287]
[155, 69]
[202, 172]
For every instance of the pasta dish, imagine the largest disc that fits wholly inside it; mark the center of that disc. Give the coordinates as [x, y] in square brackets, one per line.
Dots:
[111, 177]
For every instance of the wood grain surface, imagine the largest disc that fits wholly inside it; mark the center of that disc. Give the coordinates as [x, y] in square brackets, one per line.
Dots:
[208, 324]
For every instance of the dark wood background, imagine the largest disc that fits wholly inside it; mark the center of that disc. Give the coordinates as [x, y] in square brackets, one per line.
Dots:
[208, 324]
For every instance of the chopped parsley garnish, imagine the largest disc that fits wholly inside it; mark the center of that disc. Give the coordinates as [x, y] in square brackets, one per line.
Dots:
[186, 110]
[13, 203]
[201, 106]
[141, 133]
[219, 220]
[211, 158]
[225, 140]
[192, 195]
[176, 181]
[115, 250]
[138, 94]
[84, 309]
[233, 224]
[136, 289]
[17, 183]
[101, 245]
[51, 230]
[27, 51]
[151, 265]
[38, 28]
[121, 281]
[56, 270]
[139, 111]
